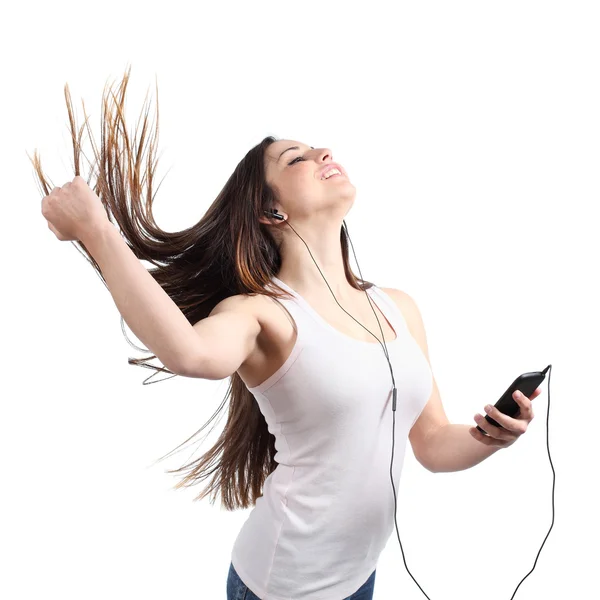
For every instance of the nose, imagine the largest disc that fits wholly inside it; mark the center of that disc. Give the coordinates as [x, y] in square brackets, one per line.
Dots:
[325, 153]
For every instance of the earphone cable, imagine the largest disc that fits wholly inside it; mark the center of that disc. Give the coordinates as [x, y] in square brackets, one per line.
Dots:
[394, 390]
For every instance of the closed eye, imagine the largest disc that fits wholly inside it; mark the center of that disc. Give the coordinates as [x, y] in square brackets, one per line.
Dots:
[295, 159]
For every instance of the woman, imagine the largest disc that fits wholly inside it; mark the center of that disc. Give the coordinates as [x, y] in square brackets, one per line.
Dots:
[261, 290]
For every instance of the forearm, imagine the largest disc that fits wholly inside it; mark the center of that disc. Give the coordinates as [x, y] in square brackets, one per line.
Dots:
[452, 448]
[146, 308]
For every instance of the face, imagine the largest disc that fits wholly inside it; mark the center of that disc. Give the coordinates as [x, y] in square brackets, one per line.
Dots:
[294, 170]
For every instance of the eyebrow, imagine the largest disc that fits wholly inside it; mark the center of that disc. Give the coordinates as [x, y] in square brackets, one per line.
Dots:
[292, 148]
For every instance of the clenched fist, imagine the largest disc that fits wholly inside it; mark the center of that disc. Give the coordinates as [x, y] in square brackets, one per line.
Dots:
[73, 210]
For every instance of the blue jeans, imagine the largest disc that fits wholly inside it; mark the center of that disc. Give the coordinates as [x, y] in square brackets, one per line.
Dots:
[238, 590]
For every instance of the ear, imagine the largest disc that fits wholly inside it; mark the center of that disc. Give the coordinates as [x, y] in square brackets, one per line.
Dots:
[268, 220]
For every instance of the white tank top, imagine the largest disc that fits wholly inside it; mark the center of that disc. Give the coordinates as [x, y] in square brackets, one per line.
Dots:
[327, 510]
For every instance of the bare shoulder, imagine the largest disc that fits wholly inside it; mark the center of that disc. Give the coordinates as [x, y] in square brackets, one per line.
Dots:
[407, 305]
[399, 296]
[258, 307]
[269, 335]
[412, 315]
[237, 303]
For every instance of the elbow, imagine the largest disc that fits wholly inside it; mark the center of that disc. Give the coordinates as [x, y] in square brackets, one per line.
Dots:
[185, 369]
[174, 368]
[427, 464]
[181, 367]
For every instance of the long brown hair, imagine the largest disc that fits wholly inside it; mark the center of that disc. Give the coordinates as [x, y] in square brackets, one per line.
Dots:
[228, 252]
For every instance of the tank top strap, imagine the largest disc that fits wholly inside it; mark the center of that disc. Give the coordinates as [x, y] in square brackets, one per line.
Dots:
[303, 322]
[390, 309]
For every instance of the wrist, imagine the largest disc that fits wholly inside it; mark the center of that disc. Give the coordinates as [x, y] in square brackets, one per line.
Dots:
[93, 232]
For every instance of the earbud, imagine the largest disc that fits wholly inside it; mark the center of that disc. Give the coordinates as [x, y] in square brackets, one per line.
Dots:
[273, 213]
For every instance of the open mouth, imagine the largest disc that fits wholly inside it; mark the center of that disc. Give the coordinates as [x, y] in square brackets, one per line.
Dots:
[334, 173]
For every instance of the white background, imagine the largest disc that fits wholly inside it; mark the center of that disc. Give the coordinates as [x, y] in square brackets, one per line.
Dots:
[471, 132]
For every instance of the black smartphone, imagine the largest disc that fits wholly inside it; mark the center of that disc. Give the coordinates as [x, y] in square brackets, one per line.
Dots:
[526, 384]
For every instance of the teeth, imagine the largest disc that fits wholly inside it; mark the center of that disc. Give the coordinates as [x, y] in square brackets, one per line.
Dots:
[330, 173]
